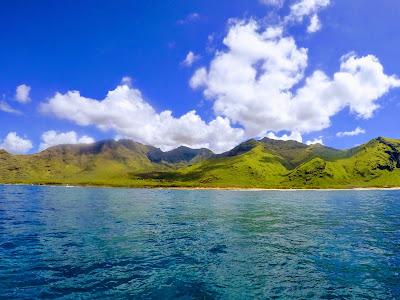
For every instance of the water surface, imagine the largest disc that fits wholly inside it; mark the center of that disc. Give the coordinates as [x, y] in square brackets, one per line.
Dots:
[163, 244]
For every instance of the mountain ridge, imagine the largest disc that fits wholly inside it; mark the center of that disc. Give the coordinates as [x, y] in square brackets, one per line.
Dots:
[264, 163]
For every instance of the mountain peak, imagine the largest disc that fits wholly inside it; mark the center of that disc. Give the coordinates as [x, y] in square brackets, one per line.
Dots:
[265, 163]
[386, 140]
[291, 143]
[180, 154]
[241, 148]
[4, 152]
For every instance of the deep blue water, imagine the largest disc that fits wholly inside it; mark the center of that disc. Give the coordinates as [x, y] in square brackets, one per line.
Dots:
[164, 244]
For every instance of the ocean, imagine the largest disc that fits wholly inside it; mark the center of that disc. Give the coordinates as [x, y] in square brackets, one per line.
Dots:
[104, 243]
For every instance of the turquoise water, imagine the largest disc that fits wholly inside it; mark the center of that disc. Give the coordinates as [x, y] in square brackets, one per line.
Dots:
[162, 244]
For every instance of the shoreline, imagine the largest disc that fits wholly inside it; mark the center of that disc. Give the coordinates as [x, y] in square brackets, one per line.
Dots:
[238, 189]
[285, 189]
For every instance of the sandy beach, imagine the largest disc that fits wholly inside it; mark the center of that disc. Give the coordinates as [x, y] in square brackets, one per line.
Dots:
[238, 189]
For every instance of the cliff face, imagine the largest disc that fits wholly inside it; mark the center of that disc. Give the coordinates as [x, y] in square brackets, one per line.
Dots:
[393, 151]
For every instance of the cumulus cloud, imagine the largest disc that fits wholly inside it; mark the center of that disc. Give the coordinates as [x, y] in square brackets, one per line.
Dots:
[4, 106]
[190, 59]
[125, 112]
[315, 24]
[315, 141]
[293, 136]
[52, 138]
[16, 144]
[22, 93]
[307, 8]
[126, 80]
[304, 8]
[354, 132]
[257, 86]
[258, 82]
[246, 81]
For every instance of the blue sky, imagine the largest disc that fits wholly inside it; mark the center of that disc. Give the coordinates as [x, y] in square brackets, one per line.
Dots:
[90, 46]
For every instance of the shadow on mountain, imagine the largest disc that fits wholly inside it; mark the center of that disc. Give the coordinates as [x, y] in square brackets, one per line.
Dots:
[168, 176]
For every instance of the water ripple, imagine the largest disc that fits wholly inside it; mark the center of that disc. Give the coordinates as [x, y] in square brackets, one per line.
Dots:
[151, 244]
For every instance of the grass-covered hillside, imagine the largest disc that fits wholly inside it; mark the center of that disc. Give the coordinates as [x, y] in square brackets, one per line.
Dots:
[264, 163]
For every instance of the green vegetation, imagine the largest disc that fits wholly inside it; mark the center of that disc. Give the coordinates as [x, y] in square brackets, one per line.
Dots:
[253, 164]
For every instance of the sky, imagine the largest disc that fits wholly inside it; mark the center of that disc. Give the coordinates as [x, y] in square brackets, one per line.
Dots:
[198, 73]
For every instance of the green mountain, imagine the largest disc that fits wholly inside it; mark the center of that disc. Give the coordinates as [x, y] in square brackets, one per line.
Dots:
[103, 163]
[264, 163]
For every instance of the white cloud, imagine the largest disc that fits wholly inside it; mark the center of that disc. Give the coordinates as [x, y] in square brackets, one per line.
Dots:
[277, 3]
[190, 59]
[255, 82]
[22, 93]
[315, 24]
[16, 144]
[273, 32]
[257, 86]
[4, 106]
[293, 136]
[189, 19]
[359, 84]
[248, 82]
[52, 138]
[125, 111]
[304, 8]
[354, 132]
[315, 141]
[126, 80]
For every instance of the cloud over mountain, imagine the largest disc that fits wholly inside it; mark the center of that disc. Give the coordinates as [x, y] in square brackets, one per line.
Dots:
[258, 82]
[354, 132]
[124, 111]
[13, 143]
[52, 138]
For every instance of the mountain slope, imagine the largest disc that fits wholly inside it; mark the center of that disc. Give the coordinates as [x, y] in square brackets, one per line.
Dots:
[295, 153]
[268, 163]
[376, 163]
[252, 168]
[179, 155]
[265, 164]
[106, 163]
